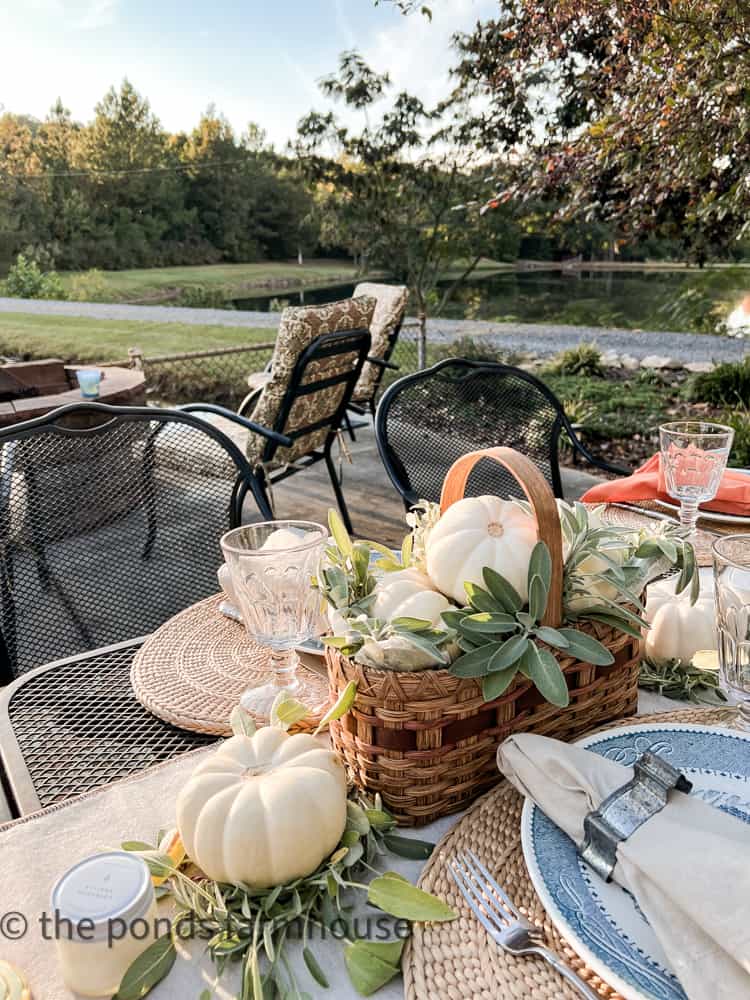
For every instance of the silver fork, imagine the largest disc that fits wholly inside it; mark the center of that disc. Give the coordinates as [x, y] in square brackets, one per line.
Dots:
[503, 921]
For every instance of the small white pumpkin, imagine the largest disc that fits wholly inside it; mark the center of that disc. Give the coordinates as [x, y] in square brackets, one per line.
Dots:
[263, 809]
[678, 629]
[408, 593]
[478, 532]
[13, 985]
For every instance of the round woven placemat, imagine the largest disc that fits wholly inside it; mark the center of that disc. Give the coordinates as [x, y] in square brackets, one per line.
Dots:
[192, 671]
[458, 960]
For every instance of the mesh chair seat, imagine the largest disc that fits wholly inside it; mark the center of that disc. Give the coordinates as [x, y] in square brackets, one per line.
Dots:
[428, 420]
[108, 530]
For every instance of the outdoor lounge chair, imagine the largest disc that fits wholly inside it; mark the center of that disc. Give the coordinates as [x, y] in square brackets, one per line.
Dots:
[317, 361]
[104, 535]
[385, 327]
[425, 421]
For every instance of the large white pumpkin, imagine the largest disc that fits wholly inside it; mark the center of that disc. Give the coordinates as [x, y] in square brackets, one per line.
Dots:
[263, 809]
[478, 532]
[408, 593]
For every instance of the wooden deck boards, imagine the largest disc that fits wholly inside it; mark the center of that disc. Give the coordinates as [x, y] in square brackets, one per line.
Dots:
[376, 508]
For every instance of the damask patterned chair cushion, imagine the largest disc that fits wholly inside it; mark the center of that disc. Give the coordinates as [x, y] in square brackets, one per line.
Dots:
[298, 328]
[389, 311]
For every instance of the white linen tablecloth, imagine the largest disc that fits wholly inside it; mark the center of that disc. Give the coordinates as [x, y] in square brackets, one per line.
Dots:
[34, 851]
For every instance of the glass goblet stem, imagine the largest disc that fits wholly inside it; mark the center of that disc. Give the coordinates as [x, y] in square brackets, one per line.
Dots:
[283, 664]
[688, 516]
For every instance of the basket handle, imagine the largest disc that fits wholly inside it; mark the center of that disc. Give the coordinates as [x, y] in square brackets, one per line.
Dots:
[541, 498]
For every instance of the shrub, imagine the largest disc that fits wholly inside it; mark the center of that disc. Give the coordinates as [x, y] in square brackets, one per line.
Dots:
[585, 359]
[26, 280]
[203, 297]
[90, 286]
[739, 419]
[727, 385]
[473, 349]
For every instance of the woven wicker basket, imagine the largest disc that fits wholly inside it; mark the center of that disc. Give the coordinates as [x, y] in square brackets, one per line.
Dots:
[426, 740]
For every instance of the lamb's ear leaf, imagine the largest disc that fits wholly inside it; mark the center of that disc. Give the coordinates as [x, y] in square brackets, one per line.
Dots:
[537, 597]
[497, 683]
[540, 564]
[286, 710]
[586, 648]
[339, 532]
[242, 722]
[504, 593]
[546, 673]
[340, 707]
[479, 599]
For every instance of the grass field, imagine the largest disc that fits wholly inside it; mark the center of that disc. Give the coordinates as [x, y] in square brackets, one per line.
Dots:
[162, 283]
[74, 339]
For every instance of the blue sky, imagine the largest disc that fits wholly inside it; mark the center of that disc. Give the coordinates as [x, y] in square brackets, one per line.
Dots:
[256, 60]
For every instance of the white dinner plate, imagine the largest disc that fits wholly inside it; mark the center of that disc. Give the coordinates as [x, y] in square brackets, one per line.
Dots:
[707, 515]
[600, 920]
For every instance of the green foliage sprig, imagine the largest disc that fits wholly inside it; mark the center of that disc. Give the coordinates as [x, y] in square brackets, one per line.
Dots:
[500, 639]
[682, 682]
[250, 928]
[349, 586]
[346, 582]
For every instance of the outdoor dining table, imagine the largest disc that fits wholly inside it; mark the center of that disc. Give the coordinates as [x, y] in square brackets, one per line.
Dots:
[71, 727]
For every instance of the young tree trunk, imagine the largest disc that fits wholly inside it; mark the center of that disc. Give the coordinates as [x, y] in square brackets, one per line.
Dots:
[422, 340]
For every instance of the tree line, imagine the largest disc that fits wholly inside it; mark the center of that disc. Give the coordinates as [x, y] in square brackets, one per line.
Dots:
[123, 192]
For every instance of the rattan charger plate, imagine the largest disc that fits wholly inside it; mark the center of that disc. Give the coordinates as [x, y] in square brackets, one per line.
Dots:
[458, 960]
[192, 671]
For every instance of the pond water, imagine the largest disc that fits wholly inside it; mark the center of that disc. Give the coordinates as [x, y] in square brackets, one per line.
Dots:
[680, 299]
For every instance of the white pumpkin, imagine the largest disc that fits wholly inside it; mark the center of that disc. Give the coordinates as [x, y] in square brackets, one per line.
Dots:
[586, 573]
[13, 985]
[678, 629]
[408, 593]
[478, 532]
[263, 809]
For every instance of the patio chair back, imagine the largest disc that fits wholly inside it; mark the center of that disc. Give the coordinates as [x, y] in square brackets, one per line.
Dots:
[104, 535]
[310, 406]
[427, 420]
[385, 329]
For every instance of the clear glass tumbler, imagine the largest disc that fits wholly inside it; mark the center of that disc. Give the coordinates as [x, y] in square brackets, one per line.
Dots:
[273, 565]
[694, 456]
[731, 555]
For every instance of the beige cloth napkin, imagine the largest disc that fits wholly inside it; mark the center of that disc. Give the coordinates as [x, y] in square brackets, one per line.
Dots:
[688, 866]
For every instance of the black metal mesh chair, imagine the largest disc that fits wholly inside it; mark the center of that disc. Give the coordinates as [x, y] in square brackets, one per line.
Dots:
[427, 420]
[104, 534]
[309, 408]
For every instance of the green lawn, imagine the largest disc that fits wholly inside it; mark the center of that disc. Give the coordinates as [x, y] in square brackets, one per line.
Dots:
[161, 283]
[74, 339]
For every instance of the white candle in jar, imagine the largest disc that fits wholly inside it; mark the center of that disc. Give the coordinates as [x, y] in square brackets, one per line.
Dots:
[104, 916]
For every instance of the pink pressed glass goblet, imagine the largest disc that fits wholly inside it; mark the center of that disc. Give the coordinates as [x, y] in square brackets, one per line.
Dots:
[694, 456]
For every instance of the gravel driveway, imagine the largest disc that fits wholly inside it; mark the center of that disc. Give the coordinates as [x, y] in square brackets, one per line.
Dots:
[536, 338]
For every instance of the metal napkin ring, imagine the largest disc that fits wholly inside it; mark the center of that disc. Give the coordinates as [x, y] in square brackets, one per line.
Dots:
[627, 808]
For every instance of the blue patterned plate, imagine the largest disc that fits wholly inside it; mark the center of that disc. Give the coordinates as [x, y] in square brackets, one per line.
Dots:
[601, 921]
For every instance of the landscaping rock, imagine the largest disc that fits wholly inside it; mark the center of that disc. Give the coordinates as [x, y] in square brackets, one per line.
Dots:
[629, 363]
[610, 359]
[699, 366]
[657, 361]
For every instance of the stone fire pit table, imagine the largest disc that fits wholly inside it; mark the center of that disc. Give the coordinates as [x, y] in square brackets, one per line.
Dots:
[31, 389]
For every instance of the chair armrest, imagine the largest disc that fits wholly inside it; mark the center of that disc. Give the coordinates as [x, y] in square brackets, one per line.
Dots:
[356, 408]
[221, 411]
[598, 463]
[383, 364]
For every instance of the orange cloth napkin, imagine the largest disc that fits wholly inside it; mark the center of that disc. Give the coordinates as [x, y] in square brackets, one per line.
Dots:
[647, 483]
